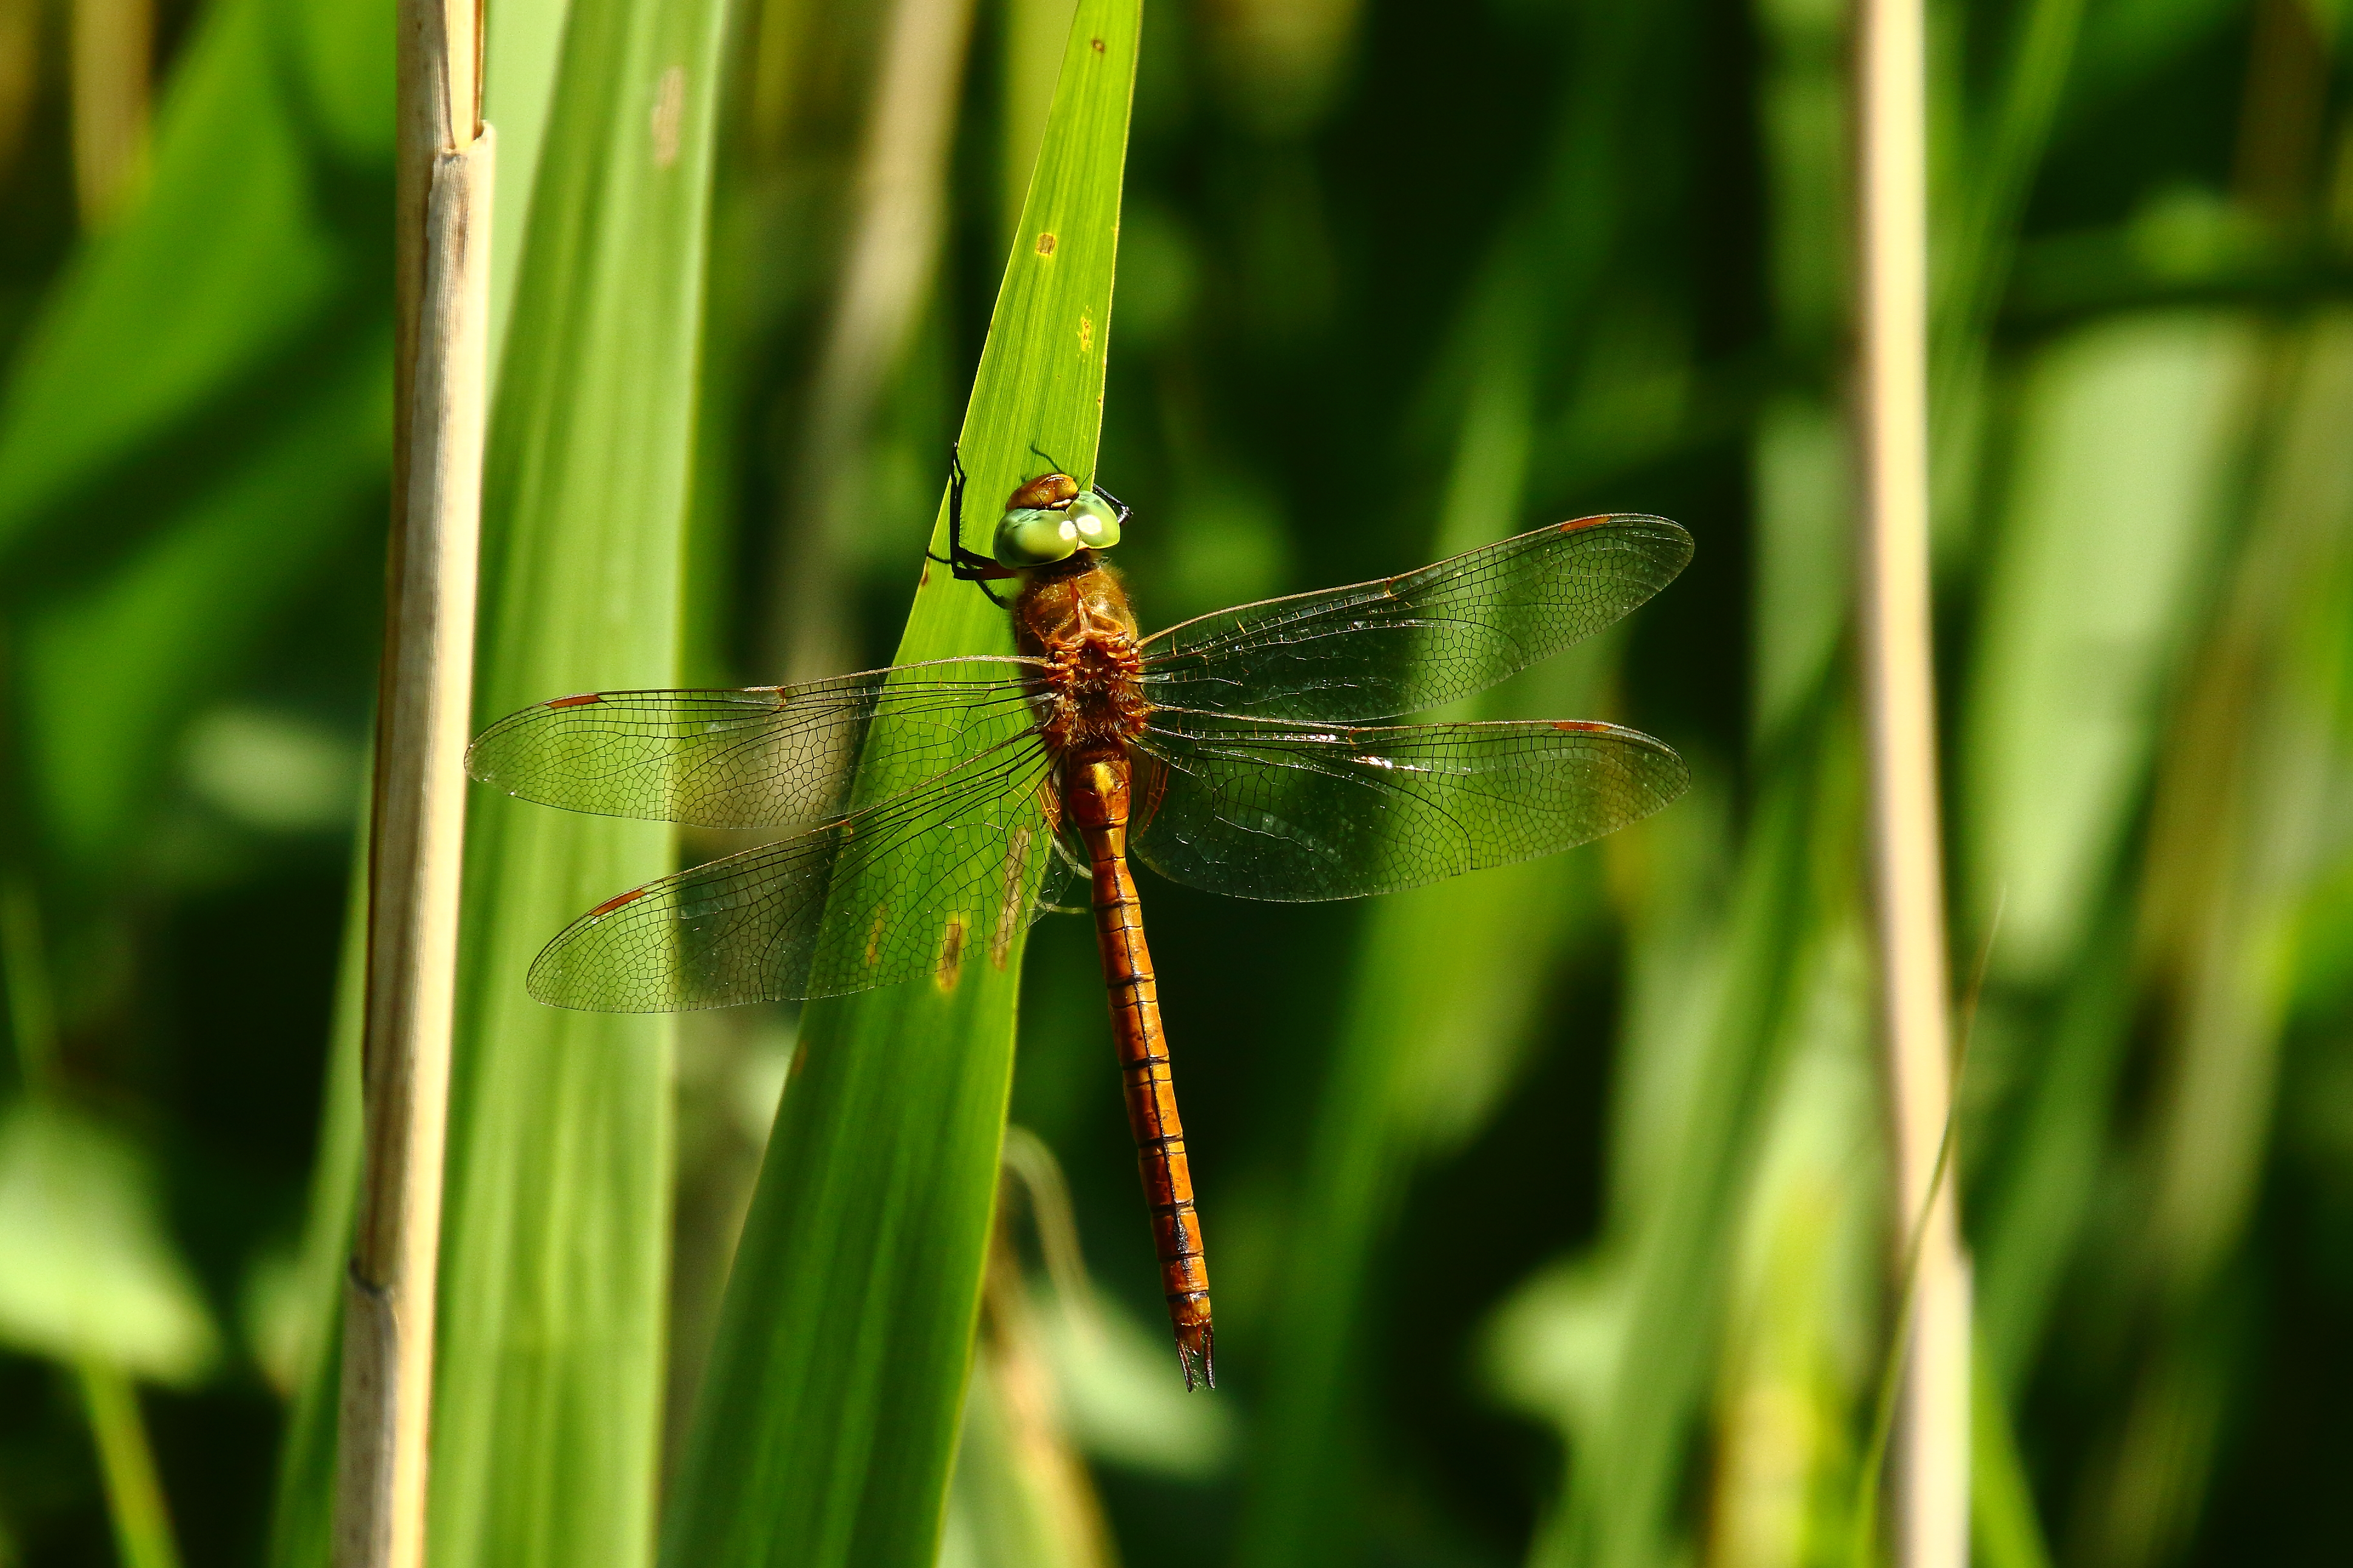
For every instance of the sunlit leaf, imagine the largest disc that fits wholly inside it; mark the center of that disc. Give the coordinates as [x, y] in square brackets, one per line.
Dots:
[829, 1413]
[548, 1374]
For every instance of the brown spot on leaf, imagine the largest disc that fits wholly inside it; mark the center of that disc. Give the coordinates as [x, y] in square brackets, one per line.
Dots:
[1044, 244]
[951, 964]
[668, 115]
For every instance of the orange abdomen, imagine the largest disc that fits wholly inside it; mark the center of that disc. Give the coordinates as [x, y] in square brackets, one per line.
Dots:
[1095, 793]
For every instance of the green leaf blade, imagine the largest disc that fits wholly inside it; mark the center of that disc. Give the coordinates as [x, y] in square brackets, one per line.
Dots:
[548, 1379]
[828, 1425]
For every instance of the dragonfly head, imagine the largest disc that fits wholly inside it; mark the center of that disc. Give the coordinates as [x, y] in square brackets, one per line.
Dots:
[1050, 519]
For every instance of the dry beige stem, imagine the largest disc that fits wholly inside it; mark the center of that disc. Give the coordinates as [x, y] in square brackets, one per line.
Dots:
[1931, 1446]
[417, 828]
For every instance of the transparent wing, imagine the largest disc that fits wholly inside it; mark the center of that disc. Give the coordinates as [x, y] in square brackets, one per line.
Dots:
[1065, 889]
[927, 882]
[1267, 810]
[770, 756]
[1405, 643]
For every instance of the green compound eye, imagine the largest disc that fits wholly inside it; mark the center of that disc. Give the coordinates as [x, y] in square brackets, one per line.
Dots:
[1097, 523]
[1030, 537]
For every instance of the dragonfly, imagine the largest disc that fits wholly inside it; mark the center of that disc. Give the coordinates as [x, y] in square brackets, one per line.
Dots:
[935, 809]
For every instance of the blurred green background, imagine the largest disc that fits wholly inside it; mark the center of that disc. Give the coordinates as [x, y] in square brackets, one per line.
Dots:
[1543, 1206]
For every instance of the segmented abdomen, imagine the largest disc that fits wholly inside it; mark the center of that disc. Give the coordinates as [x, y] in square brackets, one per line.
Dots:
[1095, 794]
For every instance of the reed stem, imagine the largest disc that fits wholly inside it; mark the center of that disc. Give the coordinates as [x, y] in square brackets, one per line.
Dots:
[417, 821]
[1899, 718]
[135, 1494]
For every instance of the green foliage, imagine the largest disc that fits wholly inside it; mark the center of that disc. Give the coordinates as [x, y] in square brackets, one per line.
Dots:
[546, 1420]
[180, 449]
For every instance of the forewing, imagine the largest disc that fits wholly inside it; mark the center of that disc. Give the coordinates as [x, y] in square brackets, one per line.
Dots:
[1258, 809]
[926, 882]
[1405, 643]
[767, 757]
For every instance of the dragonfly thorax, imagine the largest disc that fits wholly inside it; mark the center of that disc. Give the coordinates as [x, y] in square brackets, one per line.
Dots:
[1092, 699]
[1075, 617]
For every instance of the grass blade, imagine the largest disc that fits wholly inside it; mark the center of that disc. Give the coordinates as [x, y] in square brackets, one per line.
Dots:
[142, 1530]
[548, 1387]
[827, 1423]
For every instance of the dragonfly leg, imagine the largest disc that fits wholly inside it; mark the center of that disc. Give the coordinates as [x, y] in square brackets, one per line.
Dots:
[975, 582]
[967, 565]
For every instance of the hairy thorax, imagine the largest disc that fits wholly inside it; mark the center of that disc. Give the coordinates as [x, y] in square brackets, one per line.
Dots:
[1074, 615]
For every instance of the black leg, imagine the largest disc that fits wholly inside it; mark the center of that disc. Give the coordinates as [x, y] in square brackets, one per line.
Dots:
[967, 565]
[955, 510]
[971, 566]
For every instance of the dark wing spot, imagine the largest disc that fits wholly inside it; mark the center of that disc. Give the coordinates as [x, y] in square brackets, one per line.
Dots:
[609, 905]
